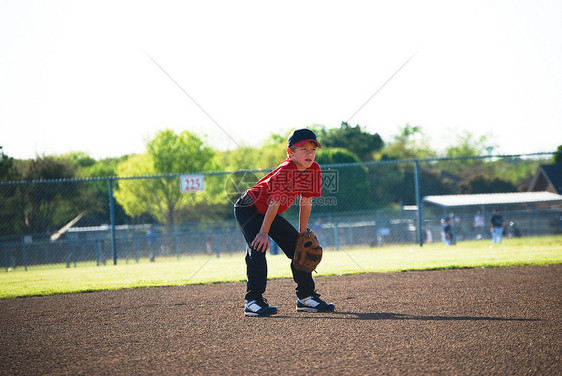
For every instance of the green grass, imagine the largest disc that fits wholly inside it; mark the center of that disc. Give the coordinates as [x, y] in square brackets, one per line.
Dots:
[57, 279]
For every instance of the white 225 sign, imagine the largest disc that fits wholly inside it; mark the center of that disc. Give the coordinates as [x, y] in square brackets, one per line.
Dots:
[192, 183]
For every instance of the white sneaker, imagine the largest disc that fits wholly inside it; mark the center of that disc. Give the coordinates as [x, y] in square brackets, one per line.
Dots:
[314, 304]
[259, 308]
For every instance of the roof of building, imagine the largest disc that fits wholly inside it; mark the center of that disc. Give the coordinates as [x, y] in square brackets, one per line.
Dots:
[493, 199]
[547, 178]
[553, 173]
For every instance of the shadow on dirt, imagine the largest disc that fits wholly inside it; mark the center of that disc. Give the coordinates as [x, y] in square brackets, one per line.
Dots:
[402, 316]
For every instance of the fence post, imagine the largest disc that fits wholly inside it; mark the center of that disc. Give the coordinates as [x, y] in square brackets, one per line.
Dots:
[26, 244]
[112, 220]
[418, 202]
[337, 236]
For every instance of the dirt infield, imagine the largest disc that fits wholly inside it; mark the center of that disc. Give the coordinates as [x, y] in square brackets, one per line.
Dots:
[505, 321]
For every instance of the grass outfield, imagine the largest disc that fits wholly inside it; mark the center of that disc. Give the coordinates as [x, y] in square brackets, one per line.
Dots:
[57, 279]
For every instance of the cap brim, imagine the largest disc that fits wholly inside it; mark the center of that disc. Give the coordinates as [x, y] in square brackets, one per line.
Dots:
[300, 143]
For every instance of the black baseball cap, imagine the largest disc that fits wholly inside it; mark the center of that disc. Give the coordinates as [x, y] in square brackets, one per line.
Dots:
[302, 136]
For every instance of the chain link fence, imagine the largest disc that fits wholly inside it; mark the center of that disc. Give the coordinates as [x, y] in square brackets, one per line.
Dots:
[99, 221]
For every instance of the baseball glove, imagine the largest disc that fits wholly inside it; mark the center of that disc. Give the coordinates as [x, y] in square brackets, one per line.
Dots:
[308, 252]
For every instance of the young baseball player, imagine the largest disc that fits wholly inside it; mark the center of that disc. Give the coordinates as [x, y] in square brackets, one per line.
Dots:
[257, 212]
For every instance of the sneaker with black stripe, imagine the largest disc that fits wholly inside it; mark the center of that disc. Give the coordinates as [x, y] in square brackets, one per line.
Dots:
[313, 303]
[259, 308]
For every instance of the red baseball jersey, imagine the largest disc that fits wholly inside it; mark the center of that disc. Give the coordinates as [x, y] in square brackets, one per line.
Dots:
[285, 184]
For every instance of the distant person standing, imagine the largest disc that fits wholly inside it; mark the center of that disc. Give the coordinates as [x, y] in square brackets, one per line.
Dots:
[152, 237]
[496, 226]
[448, 232]
[478, 225]
[455, 226]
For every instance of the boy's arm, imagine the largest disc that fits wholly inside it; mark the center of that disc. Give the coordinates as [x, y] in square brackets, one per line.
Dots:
[261, 241]
[304, 213]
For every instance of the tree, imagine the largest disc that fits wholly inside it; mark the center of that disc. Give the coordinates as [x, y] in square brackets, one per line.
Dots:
[8, 194]
[45, 207]
[468, 145]
[557, 158]
[79, 159]
[7, 167]
[266, 156]
[171, 153]
[344, 184]
[241, 158]
[161, 198]
[138, 196]
[409, 143]
[355, 139]
[392, 184]
[483, 184]
[97, 191]
[386, 184]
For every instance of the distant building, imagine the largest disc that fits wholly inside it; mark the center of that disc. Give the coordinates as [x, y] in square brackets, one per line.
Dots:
[547, 178]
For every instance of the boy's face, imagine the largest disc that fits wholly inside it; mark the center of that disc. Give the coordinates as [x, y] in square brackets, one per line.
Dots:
[304, 155]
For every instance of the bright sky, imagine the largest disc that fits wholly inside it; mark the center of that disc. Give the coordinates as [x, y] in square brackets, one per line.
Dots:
[94, 76]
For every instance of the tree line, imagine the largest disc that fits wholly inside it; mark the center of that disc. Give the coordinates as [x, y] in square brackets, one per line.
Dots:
[44, 208]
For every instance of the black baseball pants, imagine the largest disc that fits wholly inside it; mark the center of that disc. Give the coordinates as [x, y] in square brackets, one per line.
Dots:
[285, 235]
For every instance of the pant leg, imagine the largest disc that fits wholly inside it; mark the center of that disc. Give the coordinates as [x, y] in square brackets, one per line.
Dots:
[250, 222]
[285, 235]
[499, 234]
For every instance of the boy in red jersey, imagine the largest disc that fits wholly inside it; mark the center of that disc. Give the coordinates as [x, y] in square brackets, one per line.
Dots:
[257, 212]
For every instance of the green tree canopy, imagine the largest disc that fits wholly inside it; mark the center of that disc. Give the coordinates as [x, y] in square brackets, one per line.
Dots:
[79, 159]
[7, 167]
[483, 184]
[469, 145]
[98, 190]
[46, 207]
[168, 153]
[356, 139]
[557, 157]
[266, 156]
[346, 183]
[9, 203]
[176, 153]
[409, 143]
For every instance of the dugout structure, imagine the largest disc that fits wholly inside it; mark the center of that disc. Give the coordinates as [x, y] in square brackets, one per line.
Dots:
[525, 213]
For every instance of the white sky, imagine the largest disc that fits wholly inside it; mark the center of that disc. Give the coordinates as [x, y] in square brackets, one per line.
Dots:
[78, 75]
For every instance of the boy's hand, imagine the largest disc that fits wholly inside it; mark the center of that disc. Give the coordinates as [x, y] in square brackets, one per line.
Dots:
[261, 242]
